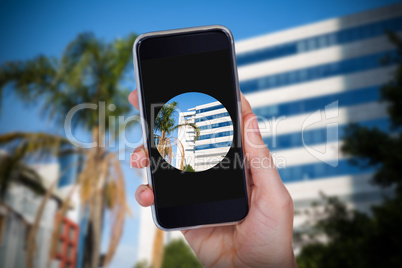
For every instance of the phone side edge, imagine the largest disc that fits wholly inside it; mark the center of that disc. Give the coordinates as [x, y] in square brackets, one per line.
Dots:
[143, 122]
[239, 115]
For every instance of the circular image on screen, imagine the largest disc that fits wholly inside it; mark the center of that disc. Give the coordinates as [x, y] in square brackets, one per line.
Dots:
[193, 132]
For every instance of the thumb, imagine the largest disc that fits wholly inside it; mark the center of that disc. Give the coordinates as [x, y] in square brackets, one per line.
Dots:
[262, 168]
[271, 207]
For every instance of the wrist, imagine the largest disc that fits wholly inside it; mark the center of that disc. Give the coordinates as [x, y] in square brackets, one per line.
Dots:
[287, 260]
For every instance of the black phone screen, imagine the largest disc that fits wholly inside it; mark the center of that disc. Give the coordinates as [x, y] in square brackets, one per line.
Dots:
[189, 99]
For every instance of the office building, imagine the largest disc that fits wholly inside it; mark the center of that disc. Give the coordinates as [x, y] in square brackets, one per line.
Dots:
[307, 84]
[216, 135]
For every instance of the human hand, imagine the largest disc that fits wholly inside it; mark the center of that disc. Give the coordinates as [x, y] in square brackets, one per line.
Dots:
[264, 238]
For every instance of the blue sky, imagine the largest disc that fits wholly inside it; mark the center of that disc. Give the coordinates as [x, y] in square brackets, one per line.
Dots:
[30, 28]
[191, 99]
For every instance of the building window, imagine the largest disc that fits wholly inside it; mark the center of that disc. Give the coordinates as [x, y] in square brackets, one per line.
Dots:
[215, 135]
[210, 117]
[344, 67]
[216, 107]
[348, 98]
[67, 244]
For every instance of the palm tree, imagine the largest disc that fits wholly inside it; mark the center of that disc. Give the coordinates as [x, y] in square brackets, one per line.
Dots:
[165, 124]
[89, 71]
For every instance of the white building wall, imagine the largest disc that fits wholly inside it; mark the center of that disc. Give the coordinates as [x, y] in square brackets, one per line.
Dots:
[186, 137]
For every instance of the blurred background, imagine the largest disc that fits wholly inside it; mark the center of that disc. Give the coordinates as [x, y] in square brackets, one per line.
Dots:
[323, 77]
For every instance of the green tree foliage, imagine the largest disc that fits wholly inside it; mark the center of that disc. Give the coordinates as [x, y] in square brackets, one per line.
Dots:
[188, 168]
[347, 238]
[142, 264]
[179, 255]
[355, 239]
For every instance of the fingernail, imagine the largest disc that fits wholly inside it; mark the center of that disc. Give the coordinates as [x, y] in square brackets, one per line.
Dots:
[136, 155]
[138, 197]
[133, 159]
[138, 149]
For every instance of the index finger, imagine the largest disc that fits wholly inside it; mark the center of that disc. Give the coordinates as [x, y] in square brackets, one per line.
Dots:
[133, 99]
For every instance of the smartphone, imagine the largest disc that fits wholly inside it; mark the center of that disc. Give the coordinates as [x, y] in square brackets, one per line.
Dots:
[190, 106]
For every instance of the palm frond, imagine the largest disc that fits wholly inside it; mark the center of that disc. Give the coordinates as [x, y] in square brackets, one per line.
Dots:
[89, 71]
[120, 210]
[29, 78]
[121, 128]
[110, 194]
[157, 138]
[122, 55]
[12, 168]
[26, 143]
[88, 177]
[31, 239]
[54, 239]
[164, 120]
[194, 126]
[183, 156]
[169, 152]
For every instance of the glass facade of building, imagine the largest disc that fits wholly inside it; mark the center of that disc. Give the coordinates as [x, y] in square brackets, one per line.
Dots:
[319, 136]
[290, 142]
[216, 125]
[341, 37]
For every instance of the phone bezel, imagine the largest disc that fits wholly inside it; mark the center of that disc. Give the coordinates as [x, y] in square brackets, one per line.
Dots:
[143, 122]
